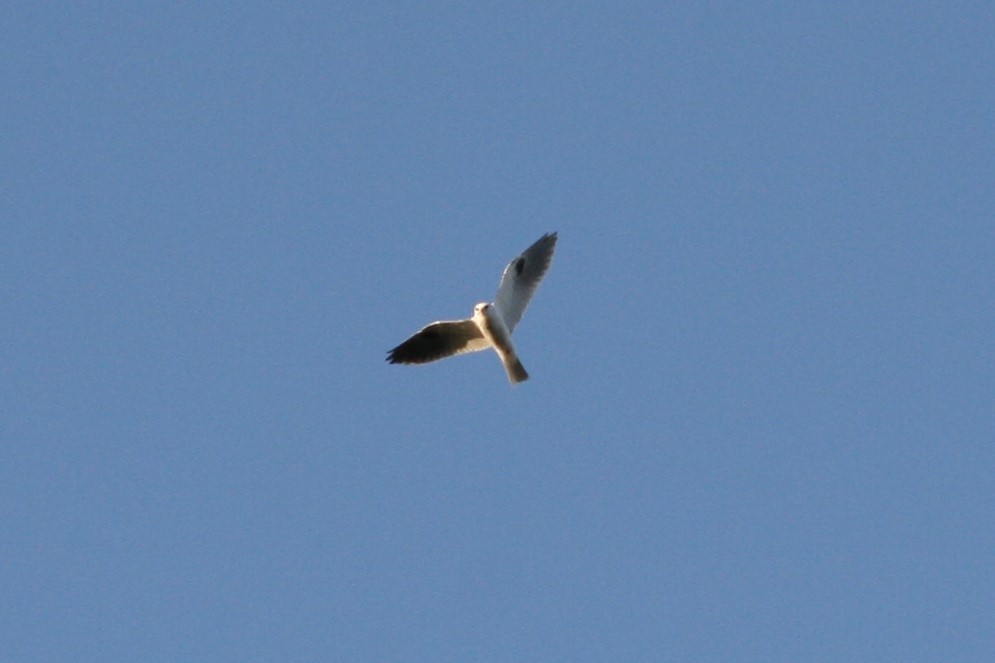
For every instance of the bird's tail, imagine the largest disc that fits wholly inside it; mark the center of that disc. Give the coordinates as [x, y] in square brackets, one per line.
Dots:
[516, 372]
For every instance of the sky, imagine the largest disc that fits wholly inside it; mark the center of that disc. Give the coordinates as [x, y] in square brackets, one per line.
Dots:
[759, 424]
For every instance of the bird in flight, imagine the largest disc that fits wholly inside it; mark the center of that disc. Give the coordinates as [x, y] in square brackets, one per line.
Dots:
[491, 324]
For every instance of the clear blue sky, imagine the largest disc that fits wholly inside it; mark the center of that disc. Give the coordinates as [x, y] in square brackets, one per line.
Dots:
[760, 422]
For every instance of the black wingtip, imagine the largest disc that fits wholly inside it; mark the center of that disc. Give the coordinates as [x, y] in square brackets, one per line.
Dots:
[546, 237]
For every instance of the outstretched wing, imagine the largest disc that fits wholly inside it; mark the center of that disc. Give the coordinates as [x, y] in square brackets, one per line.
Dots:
[521, 278]
[437, 341]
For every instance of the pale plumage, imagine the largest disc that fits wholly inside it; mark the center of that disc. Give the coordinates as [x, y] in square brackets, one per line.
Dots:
[492, 324]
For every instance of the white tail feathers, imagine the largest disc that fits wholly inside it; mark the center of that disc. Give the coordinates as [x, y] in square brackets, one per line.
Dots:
[516, 372]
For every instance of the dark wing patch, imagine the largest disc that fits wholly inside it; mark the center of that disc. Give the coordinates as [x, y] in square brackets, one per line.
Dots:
[438, 341]
[519, 266]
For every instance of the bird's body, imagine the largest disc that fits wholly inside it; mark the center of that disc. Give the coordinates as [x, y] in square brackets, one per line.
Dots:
[492, 324]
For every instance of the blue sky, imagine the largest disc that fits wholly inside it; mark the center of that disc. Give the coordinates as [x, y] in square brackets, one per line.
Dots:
[759, 424]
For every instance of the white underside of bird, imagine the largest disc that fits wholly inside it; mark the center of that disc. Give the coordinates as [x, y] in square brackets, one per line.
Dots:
[488, 319]
[492, 324]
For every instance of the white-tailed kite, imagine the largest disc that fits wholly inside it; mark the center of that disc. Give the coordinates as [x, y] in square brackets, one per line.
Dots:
[491, 324]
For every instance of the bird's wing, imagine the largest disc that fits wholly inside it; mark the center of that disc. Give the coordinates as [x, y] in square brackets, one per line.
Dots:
[439, 340]
[521, 278]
